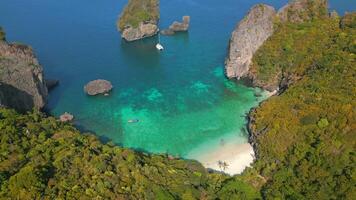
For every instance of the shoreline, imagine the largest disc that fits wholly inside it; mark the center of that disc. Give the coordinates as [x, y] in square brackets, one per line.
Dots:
[237, 156]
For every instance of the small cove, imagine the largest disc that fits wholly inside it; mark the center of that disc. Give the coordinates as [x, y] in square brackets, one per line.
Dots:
[180, 95]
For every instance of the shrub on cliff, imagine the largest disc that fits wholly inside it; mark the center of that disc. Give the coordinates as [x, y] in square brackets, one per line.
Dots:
[137, 11]
[305, 137]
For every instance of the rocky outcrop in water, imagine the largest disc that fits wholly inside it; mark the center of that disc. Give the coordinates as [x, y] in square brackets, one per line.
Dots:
[258, 26]
[248, 36]
[22, 85]
[177, 26]
[66, 117]
[181, 26]
[139, 19]
[98, 87]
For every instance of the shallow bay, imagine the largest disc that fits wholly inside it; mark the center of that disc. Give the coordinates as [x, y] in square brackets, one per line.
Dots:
[180, 96]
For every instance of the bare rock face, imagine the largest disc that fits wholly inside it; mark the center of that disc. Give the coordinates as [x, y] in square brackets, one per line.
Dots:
[98, 87]
[22, 84]
[249, 35]
[142, 31]
[303, 10]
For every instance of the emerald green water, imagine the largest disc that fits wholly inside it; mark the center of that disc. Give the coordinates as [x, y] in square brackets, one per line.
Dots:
[180, 95]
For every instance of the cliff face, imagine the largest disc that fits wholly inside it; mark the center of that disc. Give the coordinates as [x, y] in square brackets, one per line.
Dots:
[139, 19]
[257, 27]
[22, 84]
[248, 36]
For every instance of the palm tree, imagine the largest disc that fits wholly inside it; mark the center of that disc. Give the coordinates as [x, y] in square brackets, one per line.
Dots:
[222, 165]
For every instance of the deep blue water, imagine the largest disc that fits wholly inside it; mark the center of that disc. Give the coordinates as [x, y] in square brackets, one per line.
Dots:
[179, 95]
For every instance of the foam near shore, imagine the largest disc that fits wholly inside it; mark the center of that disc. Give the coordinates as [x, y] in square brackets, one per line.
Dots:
[237, 156]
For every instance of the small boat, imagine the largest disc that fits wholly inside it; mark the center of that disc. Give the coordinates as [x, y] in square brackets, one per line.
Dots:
[132, 121]
[159, 47]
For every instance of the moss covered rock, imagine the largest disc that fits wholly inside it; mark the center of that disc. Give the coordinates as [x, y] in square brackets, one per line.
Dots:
[139, 19]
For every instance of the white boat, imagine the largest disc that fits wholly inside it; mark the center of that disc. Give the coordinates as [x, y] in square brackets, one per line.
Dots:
[159, 47]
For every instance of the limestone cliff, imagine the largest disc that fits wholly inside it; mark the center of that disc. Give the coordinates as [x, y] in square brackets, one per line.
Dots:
[22, 84]
[258, 26]
[139, 19]
[248, 36]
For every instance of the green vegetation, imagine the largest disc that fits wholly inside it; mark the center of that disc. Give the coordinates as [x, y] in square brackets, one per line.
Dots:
[138, 11]
[41, 157]
[2, 34]
[292, 49]
[306, 136]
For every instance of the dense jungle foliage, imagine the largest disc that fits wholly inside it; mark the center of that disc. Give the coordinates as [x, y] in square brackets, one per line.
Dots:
[137, 11]
[306, 136]
[42, 158]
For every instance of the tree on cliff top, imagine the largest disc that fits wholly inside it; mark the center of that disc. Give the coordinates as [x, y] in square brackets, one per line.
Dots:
[137, 11]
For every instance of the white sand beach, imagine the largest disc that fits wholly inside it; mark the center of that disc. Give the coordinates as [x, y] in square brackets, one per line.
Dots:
[236, 155]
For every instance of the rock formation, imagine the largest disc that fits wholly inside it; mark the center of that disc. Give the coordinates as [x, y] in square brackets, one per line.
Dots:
[66, 117]
[177, 26]
[258, 26]
[139, 19]
[98, 87]
[22, 85]
[249, 35]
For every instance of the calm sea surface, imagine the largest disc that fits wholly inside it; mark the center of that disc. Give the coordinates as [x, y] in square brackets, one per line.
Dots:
[180, 95]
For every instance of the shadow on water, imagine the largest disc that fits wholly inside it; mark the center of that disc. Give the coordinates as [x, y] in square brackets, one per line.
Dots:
[142, 52]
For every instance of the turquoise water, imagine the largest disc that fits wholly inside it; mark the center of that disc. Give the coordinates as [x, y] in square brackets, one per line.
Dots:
[179, 95]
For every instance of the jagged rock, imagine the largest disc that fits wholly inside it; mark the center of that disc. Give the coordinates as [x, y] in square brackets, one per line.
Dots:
[22, 84]
[142, 31]
[180, 26]
[248, 36]
[139, 19]
[167, 32]
[303, 10]
[66, 117]
[51, 83]
[98, 87]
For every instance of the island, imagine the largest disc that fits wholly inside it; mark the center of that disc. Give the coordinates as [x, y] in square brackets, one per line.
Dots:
[139, 19]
